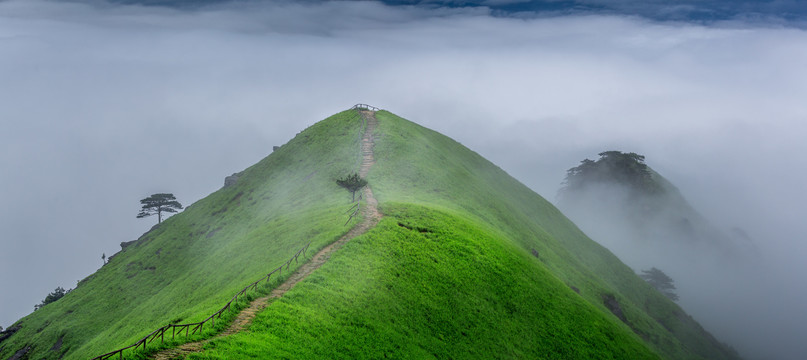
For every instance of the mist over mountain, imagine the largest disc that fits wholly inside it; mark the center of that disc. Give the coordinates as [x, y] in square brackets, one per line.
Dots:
[452, 258]
[106, 103]
[644, 219]
[620, 186]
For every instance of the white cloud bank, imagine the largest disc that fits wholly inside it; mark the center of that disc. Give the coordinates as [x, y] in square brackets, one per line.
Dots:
[103, 105]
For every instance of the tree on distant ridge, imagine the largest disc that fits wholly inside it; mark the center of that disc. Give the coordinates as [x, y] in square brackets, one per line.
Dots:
[157, 204]
[612, 167]
[659, 280]
[352, 183]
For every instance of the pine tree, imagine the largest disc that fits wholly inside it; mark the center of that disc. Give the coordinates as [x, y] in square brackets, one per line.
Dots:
[157, 204]
[659, 280]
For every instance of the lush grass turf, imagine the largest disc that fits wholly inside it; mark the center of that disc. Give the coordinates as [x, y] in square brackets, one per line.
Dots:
[449, 273]
[428, 284]
[193, 263]
[419, 166]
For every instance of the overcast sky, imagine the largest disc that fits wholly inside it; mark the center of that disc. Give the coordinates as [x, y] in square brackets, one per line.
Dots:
[102, 105]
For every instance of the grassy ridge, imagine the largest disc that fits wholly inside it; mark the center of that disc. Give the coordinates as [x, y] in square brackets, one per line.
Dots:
[457, 289]
[420, 166]
[449, 273]
[195, 261]
[429, 284]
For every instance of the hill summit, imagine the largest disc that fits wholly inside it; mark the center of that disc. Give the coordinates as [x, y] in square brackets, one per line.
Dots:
[443, 255]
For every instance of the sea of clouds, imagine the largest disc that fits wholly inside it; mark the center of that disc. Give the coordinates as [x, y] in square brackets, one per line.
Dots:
[102, 105]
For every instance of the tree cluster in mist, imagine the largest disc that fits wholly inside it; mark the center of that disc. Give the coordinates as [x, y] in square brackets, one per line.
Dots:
[97, 97]
[722, 277]
[613, 167]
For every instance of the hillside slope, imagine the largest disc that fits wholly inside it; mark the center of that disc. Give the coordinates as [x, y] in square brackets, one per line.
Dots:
[448, 175]
[189, 266]
[394, 291]
[466, 263]
[431, 284]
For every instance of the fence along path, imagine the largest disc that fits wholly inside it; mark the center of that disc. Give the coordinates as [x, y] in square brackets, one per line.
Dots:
[192, 328]
[370, 218]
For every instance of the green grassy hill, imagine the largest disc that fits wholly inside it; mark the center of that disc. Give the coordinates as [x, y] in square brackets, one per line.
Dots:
[466, 263]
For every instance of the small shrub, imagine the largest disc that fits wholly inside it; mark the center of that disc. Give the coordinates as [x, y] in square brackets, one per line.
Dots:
[55, 295]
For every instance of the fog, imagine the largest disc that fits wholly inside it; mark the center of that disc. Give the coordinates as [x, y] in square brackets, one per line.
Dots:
[102, 105]
[724, 278]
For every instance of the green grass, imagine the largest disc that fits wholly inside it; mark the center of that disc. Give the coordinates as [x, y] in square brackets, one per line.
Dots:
[193, 263]
[428, 284]
[418, 166]
[449, 273]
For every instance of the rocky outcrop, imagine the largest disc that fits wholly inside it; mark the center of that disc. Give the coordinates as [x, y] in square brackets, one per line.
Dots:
[20, 353]
[610, 302]
[231, 180]
[125, 244]
[5, 334]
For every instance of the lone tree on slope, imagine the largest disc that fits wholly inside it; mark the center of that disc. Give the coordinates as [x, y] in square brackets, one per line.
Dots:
[352, 183]
[157, 204]
[659, 280]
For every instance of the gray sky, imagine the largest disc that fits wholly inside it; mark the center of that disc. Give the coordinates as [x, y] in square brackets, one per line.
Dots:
[103, 105]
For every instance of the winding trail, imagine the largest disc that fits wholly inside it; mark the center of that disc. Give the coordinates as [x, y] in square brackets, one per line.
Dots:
[370, 217]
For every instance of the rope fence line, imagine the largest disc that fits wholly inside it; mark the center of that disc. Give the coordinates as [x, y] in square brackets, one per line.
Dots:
[357, 205]
[192, 328]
